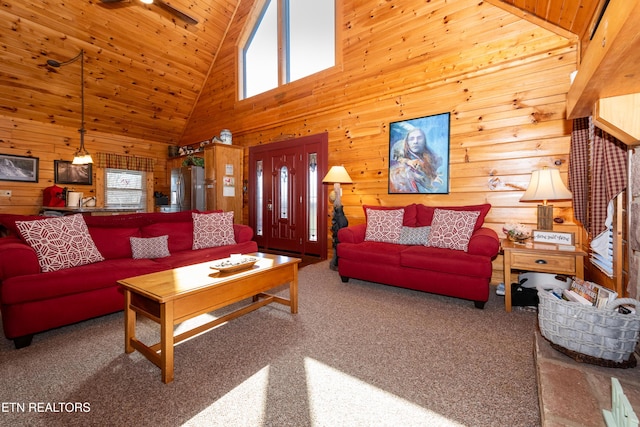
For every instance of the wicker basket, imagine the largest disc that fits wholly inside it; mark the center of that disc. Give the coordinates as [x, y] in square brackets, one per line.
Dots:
[600, 333]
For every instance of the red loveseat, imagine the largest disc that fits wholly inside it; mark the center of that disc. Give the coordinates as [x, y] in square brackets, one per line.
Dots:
[462, 273]
[33, 301]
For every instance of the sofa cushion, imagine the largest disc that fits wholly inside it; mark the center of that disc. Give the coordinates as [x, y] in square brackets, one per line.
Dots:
[414, 235]
[410, 212]
[452, 229]
[384, 225]
[131, 220]
[9, 222]
[374, 252]
[150, 247]
[197, 256]
[425, 213]
[60, 243]
[180, 234]
[113, 242]
[182, 216]
[77, 280]
[445, 261]
[213, 229]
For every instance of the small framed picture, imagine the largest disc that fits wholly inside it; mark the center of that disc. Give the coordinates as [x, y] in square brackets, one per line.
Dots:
[67, 173]
[18, 168]
[557, 237]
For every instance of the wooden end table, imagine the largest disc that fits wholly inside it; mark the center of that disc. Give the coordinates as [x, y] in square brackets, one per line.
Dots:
[173, 296]
[540, 257]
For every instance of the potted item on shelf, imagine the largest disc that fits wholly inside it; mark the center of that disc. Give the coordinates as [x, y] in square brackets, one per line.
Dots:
[193, 161]
[517, 232]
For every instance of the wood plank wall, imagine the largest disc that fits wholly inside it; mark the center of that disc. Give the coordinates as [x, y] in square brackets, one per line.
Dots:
[504, 81]
[50, 142]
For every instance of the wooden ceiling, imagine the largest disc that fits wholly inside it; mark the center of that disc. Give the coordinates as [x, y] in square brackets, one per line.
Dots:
[575, 16]
[144, 67]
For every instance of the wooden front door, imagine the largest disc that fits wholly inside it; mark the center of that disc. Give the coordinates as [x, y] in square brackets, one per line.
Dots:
[287, 207]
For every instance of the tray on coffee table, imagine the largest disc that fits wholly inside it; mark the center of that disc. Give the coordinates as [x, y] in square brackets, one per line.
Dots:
[232, 264]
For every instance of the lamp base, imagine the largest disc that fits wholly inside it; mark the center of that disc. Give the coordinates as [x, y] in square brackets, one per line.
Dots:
[337, 222]
[545, 217]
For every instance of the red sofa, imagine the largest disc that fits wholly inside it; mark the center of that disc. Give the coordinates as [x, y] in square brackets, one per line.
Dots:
[32, 301]
[457, 273]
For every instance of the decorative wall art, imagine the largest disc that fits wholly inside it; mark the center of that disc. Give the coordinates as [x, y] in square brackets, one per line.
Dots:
[18, 168]
[68, 173]
[419, 155]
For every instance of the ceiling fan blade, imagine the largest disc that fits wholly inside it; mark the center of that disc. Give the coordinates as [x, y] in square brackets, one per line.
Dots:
[114, 4]
[166, 6]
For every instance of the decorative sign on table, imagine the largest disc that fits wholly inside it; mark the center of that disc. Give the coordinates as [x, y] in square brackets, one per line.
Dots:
[556, 237]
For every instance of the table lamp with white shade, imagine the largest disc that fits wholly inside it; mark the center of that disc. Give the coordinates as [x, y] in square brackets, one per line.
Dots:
[545, 185]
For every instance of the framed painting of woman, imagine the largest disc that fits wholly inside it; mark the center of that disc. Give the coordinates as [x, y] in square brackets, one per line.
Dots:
[419, 155]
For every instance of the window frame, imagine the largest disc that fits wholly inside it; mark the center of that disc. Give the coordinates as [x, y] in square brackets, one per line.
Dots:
[143, 205]
[251, 24]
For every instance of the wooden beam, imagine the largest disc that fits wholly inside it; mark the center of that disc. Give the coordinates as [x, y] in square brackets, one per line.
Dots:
[610, 63]
[618, 116]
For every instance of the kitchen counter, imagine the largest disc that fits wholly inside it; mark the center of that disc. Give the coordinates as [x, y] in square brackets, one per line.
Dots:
[67, 210]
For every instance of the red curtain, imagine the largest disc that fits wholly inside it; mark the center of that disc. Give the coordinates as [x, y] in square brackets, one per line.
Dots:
[597, 173]
[579, 170]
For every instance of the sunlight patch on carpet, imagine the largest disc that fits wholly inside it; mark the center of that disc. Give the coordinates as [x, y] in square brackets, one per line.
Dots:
[329, 390]
[194, 322]
[227, 411]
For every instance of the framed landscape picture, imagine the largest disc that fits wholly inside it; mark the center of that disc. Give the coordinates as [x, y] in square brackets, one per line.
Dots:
[18, 168]
[67, 173]
[419, 155]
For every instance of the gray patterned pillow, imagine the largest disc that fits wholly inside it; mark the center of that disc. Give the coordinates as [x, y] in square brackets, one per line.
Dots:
[150, 247]
[414, 236]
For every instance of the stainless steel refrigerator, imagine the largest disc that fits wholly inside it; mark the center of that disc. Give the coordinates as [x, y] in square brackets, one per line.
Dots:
[187, 189]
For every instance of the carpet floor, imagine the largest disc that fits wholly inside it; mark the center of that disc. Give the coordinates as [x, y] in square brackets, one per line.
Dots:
[356, 354]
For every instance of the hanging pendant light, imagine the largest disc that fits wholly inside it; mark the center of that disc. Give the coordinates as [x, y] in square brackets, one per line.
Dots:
[81, 156]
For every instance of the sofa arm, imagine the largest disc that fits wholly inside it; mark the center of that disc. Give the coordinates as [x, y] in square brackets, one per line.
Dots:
[242, 233]
[17, 258]
[484, 241]
[352, 234]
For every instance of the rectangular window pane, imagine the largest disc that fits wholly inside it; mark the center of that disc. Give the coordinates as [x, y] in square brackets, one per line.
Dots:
[125, 188]
[259, 199]
[261, 54]
[312, 191]
[311, 37]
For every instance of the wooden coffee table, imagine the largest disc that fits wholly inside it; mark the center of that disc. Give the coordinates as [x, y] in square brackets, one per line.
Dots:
[173, 296]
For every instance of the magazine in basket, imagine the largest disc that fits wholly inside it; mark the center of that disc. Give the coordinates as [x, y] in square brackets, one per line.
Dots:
[589, 293]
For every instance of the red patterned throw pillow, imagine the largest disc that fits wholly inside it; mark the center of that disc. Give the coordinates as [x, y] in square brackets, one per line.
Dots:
[150, 247]
[60, 243]
[384, 225]
[213, 229]
[452, 229]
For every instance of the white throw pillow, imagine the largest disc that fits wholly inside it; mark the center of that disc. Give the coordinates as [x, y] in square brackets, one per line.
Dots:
[384, 225]
[213, 229]
[60, 243]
